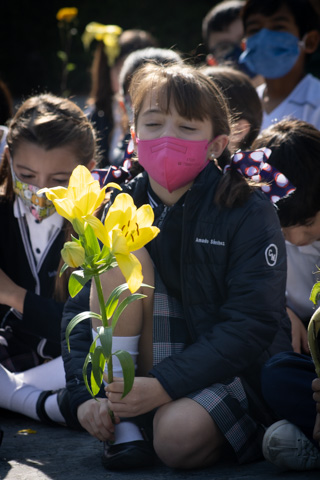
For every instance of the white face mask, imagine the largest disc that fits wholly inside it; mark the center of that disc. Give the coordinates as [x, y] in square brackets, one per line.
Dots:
[39, 205]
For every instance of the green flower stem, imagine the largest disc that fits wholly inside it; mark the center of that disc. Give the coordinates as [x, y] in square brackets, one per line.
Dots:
[101, 300]
[105, 324]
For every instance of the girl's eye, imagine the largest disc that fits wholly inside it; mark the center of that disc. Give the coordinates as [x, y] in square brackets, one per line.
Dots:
[152, 124]
[25, 176]
[61, 181]
[310, 224]
[188, 127]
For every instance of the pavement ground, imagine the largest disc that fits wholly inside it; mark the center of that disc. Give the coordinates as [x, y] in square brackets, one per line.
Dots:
[33, 451]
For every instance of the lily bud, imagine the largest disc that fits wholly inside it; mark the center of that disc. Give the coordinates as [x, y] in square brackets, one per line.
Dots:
[73, 254]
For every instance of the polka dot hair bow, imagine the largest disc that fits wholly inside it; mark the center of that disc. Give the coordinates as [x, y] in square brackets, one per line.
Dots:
[254, 165]
[111, 174]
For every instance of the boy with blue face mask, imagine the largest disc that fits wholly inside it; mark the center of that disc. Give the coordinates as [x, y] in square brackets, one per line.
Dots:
[280, 36]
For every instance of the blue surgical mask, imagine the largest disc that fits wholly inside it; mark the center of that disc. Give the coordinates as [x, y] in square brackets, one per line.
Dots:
[270, 53]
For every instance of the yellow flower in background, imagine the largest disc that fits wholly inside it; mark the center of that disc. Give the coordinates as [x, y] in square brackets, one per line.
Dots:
[78, 202]
[67, 14]
[73, 254]
[125, 230]
[108, 34]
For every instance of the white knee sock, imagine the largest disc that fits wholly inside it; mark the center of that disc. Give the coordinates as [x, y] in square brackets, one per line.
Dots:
[126, 431]
[22, 398]
[16, 396]
[48, 376]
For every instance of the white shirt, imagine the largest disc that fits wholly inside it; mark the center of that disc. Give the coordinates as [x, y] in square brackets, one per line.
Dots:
[303, 263]
[40, 233]
[302, 103]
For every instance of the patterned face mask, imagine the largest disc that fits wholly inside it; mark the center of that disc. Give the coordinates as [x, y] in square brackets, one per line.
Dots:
[39, 205]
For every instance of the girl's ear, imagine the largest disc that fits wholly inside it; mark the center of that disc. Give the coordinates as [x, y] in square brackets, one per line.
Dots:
[91, 164]
[218, 145]
[311, 41]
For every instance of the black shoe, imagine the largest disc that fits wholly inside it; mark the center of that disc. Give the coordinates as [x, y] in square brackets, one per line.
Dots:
[123, 456]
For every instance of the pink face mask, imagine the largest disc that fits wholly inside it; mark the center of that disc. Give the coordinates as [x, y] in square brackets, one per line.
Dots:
[173, 162]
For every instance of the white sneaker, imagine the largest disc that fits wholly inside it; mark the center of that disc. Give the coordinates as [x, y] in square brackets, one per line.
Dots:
[287, 447]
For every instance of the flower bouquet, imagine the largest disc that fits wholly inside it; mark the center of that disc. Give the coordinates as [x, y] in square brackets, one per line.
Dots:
[125, 229]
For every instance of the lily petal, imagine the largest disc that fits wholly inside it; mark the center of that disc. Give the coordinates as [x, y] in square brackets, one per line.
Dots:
[131, 269]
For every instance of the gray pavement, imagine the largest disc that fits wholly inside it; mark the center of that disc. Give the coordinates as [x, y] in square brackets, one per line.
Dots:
[56, 453]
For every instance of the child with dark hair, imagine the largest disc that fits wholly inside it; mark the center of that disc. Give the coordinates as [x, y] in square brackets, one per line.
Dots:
[47, 138]
[209, 320]
[222, 33]
[244, 104]
[281, 35]
[287, 377]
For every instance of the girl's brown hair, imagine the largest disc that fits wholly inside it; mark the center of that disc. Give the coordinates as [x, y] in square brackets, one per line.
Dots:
[49, 122]
[195, 96]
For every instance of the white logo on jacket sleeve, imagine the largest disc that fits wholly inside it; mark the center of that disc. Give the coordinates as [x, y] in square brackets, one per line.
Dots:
[271, 254]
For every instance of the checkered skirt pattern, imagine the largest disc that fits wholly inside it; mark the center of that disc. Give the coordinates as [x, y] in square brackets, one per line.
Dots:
[226, 402]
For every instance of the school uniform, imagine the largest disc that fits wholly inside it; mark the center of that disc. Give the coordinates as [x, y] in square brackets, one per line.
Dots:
[302, 103]
[30, 255]
[219, 306]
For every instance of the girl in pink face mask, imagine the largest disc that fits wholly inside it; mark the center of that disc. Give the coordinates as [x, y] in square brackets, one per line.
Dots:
[209, 324]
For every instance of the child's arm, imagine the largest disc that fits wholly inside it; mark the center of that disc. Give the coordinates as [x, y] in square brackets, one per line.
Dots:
[10, 293]
[299, 333]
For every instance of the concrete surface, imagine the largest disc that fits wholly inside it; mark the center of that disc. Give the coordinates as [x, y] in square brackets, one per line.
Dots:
[56, 453]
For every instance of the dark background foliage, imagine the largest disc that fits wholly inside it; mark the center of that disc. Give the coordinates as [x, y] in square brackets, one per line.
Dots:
[29, 36]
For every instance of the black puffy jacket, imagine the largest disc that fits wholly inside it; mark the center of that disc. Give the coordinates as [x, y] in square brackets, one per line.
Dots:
[233, 273]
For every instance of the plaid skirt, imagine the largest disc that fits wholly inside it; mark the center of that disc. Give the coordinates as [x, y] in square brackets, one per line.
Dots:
[226, 402]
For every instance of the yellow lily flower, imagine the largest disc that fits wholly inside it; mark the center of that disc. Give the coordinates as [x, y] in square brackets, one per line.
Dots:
[83, 196]
[125, 230]
[67, 14]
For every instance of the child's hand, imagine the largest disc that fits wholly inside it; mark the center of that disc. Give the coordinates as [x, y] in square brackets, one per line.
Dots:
[94, 417]
[299, 334]
[146, 394]
[316, 397]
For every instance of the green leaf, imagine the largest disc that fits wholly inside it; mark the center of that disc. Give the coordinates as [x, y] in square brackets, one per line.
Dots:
[315, 293]
[63, 269]
[77, 319]
[105, 336]
[127, 366]
[112, 302]
[77, 281]
[98, 363]
[92, 244]
[123, 305]
[85, 373]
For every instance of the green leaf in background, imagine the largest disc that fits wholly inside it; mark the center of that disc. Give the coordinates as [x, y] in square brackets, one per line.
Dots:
[63, 269]
[105, 336]
[92, 244]
[127, 366]
[98, 363]
[113, 299]
[77, 281]
[85, 374]
[315, 293]
[77, 319]
[123, 305]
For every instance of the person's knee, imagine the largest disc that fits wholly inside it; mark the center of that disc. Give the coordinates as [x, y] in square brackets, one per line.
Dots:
[180, 442]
